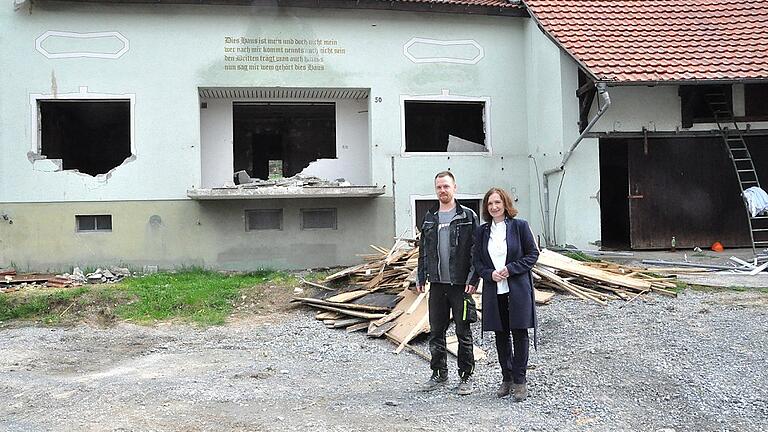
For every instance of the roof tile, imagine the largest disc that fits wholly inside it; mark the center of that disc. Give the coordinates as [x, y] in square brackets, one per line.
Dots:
[673, 40]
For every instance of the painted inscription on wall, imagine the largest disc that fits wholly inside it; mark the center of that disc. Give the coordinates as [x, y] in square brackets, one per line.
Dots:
[261, 54]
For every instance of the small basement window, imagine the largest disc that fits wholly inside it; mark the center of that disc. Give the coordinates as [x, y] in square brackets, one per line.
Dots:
[93, 223]
[318, 218]
[280, 139]
[92, 136]
[438, 126]
[264, 219]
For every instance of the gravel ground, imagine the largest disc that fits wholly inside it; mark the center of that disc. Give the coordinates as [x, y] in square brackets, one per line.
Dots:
[695, 363]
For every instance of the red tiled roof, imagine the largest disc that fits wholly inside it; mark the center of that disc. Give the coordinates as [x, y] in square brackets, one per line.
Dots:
[654, 41]
[484, 3]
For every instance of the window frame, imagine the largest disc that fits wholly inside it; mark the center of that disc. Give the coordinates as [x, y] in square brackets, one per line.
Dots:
[335, 219]
[84, 95]
[95, 223]
[446, 97]
[247, 212]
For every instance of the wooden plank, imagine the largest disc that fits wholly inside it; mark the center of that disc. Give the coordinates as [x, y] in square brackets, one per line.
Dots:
[542, 297]
[327, 315]
[561, 262]
[347, 296]
[412, 348]
[560, 283]
[371, 284]
[392, 315]
[346, 322]
[452, 346]
[378, 331]
[353, 313]
[417, 301]
[408, 322]
[357, 327]
[758, 269]
[385, 300]
[415, 330]
[352, 306]
[316, 285]
[345, 272]
[380, 249]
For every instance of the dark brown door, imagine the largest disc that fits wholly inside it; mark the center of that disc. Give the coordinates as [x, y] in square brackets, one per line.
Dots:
[686, 188]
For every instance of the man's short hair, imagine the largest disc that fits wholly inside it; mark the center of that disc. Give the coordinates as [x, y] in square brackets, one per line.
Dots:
[445, 174]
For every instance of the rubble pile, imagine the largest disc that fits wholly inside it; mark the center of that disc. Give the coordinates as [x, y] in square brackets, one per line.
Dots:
[243, 180]
[11, 281]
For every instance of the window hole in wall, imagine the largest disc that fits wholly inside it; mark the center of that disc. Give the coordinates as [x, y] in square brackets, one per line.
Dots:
[91, 136]
[280, 139]
[439, 126]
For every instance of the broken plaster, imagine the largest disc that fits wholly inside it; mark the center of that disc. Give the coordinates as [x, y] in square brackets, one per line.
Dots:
[42, 164]
[54, 86]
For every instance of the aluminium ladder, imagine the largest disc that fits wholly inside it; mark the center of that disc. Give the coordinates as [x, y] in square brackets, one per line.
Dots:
[733, 139]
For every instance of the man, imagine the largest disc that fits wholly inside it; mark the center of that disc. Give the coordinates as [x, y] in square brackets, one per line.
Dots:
[445, 261]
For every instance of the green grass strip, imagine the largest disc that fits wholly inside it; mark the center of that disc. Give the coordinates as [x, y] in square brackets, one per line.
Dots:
[200, 296]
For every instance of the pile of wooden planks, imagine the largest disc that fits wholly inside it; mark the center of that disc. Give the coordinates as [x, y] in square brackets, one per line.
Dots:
[385, 270]
[377, 297]
[597, 281]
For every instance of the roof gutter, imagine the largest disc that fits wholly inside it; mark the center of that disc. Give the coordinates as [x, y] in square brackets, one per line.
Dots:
[602, 92]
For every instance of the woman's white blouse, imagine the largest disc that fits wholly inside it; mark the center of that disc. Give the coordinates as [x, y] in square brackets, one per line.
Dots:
[497, 249]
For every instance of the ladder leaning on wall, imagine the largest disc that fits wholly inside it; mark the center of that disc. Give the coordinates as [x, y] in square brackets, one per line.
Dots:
[733, 139]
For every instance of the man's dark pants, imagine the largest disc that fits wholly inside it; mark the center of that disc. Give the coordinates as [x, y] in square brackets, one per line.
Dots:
[513, 366]
[444, 298]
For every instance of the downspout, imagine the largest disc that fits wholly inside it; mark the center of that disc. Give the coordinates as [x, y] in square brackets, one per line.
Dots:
[602, 93]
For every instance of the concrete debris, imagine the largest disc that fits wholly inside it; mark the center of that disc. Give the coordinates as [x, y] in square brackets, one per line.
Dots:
[242, 180]
[10, 281]
[241, 177]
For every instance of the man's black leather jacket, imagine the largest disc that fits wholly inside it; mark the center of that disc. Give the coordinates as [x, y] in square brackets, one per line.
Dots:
[462, 233]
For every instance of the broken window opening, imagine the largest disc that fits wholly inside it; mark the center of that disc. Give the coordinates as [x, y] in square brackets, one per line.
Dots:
[92, 136]
[280, 139]
[438, 126]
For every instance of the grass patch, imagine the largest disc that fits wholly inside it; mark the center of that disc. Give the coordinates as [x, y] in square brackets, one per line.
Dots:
[680, 287]
[38, 305]
[735, 288]
[199, 296]
[580, 256]
[192, 295]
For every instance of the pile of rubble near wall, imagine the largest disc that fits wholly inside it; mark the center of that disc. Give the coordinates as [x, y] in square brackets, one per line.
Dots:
[376, 295]
[11, 280]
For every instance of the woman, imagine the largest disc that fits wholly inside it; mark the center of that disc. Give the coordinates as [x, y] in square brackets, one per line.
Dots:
[504, 252]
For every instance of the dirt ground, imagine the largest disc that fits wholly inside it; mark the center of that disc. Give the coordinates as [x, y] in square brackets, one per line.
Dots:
[692, 363]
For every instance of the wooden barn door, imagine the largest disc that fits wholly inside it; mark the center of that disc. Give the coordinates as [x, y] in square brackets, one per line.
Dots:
[686, 188]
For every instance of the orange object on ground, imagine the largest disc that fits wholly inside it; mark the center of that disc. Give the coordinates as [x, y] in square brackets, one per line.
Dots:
[717, 247]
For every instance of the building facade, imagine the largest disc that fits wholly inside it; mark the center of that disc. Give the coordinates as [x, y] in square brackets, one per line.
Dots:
[123, 125]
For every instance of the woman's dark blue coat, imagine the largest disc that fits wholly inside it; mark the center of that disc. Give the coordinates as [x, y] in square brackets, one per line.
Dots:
[522, 254]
